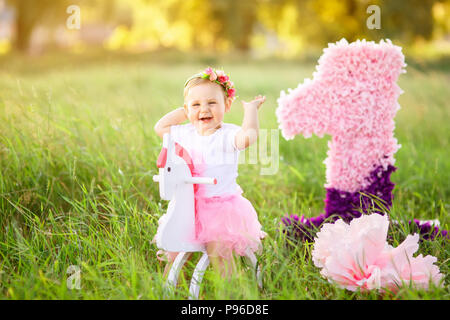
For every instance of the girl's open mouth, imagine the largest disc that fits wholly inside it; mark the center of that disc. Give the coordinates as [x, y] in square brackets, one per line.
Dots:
[206, 119]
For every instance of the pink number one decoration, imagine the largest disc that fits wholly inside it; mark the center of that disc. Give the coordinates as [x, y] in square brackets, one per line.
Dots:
[352, 97]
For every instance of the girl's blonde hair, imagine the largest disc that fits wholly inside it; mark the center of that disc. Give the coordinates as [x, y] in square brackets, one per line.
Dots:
[195, 81]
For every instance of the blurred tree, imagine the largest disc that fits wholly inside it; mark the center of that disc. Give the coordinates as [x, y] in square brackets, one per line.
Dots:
[164, 23]
[319, 22]
[407, 20]
[28, 13]
[344, 19]
[236, 19]
[229, 22]
[441, 16]
[195, 16]
[31, 13]
[232, 24]
[199, 24]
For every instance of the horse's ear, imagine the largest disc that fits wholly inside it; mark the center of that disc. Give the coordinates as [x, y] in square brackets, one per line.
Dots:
[162, 158]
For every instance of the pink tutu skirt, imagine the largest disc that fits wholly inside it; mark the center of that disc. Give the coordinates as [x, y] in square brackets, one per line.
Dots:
[230, 220]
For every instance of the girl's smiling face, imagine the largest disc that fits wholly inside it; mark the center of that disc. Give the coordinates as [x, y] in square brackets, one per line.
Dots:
[205, 105]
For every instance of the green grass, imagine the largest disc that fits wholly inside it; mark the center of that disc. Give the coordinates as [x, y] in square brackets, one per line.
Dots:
[78, 151]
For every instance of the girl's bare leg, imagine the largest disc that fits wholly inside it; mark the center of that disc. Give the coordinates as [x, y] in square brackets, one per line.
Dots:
[171, 258]
[226, 267]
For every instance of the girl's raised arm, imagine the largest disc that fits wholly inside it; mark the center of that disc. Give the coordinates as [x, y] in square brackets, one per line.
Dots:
[174, 117]
[250, 126]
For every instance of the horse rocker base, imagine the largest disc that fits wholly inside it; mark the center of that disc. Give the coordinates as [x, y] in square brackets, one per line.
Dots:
[199, 271]
[177, 226]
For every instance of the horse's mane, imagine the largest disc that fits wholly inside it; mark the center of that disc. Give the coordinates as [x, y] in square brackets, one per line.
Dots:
[182, 153]
[179, 151]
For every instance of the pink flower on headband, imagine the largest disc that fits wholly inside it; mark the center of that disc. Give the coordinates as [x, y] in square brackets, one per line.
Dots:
[231, 92]
[211, 73]
[213, 77]
[223, 79]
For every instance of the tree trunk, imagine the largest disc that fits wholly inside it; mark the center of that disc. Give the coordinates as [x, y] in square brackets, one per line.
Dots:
[26, 17]
[24, 30]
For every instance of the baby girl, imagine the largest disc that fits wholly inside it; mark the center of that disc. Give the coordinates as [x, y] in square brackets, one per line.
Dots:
[226, 222]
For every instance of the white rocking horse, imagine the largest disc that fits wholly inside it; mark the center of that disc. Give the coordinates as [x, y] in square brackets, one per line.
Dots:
[177, 226]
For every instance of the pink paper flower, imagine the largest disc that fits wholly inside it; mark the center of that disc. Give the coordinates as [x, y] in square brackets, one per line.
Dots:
[356, 255]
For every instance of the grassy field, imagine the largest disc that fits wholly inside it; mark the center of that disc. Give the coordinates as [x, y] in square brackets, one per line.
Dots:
[78, 151]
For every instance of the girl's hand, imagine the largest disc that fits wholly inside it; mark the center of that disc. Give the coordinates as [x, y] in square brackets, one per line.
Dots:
[246, 135]
[255, 103]
[177, 116]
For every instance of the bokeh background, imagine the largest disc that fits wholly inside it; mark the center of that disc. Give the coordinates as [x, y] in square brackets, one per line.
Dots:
[78, 149]
[284, 28]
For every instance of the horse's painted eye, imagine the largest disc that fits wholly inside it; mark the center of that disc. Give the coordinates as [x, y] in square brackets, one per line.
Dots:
[168, 169]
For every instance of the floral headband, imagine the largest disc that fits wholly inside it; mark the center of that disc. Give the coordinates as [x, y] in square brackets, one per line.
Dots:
[219, 77]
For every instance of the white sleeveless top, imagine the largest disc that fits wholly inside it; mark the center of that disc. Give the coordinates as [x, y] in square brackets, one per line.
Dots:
[215, 155]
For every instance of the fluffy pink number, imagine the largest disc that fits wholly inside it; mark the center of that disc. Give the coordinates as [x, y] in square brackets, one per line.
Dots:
[352, 97]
